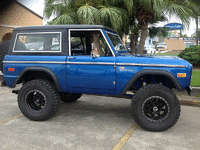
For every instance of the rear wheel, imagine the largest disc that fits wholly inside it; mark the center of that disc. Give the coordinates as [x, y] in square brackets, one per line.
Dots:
[38, 100]
[70, 97]
[155, 107]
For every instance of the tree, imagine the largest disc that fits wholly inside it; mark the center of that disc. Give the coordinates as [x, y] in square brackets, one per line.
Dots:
[159, 31]
[146, 11]
[196, 35]
[88, 12]
[184, 35]
[121, 15]
[196, 15]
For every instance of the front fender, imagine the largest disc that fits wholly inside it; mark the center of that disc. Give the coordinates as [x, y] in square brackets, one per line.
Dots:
[151, 72]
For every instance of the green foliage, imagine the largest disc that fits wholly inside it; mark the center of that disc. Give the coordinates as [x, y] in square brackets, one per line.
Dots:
[166, 54]
[108, 13]
[192, 55]
[184, 35]
[198, 34]
[121, 15]
[195, 82]
[88, 14]
[159, 31]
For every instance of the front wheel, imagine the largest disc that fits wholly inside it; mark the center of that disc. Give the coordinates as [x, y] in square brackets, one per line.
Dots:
[38, 100]
[155, 107]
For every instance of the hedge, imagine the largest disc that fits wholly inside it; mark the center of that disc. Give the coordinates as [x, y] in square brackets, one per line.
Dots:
[192, 55]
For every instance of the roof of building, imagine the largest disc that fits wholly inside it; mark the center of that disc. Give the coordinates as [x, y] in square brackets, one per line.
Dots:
[47, 27]
[28, 9]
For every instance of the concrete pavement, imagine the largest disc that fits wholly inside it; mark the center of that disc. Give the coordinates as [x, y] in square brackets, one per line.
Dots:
[92, 123]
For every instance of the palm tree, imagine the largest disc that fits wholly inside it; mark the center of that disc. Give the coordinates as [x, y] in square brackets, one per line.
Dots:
[146, 11]
[196, 16]
[87, 12]
[121, 15]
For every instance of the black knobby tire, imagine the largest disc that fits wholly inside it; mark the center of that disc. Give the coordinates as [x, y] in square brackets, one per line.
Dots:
[70, 97]
[4, 47]
[38, 100]
[155, 108]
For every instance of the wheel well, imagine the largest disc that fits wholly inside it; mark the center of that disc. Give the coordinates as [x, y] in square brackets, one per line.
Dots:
[32, 75]
[153, 79]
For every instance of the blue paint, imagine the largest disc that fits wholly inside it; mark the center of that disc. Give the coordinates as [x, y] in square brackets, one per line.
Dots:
[108, 78]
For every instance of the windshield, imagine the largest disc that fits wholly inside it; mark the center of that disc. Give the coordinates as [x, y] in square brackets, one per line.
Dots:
[117, 43]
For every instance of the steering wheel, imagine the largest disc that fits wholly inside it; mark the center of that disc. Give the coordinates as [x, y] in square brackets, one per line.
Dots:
[77, 45]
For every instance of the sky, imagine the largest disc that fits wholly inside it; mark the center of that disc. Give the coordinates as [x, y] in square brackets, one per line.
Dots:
[38, 6]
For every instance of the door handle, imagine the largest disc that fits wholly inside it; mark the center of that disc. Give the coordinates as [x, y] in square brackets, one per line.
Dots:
[71, 58]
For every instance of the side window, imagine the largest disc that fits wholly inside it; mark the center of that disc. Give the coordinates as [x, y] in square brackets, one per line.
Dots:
[88, 43]
[49, 42]
[78, 45]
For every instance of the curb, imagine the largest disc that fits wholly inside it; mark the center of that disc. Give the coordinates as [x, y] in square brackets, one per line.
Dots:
[182, 102]
[189, 103]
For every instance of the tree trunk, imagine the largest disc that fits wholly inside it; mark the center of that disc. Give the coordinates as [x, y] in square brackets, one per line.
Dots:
[134, 38]
[144, 27]
[197, 29]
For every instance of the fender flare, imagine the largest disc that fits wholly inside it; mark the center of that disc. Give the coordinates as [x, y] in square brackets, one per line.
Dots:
[152, 72]
[42, 69]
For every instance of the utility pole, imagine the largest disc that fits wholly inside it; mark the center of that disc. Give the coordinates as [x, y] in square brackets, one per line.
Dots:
[197, 29]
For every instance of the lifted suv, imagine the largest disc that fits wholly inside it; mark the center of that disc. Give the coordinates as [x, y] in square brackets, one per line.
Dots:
[63, 62]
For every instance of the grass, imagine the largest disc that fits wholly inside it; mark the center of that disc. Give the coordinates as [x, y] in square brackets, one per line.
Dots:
[198, 96]
[166, 54]
[195, 78]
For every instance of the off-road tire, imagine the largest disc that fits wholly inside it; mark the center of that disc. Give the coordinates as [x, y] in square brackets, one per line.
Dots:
[4, 46]
[151, 99]
[45, 92]
[70, 97]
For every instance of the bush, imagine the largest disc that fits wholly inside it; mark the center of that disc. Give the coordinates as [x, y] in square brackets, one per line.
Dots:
[192, 55]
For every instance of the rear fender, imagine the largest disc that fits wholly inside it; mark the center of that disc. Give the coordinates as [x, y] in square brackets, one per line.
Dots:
[41, 69]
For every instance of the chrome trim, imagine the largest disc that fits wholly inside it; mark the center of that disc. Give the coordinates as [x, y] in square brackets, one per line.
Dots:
[69, 39]
[149, 65]
[40, 50]
[35, 62]
[94, 63]
[89, 30]
[55, 62]
[91, 63]
[108, 43]
[108, 32]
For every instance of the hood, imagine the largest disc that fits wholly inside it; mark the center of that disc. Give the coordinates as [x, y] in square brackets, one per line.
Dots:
[173, 61]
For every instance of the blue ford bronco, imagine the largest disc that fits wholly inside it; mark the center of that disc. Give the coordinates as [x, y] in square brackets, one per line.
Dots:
[61, 62]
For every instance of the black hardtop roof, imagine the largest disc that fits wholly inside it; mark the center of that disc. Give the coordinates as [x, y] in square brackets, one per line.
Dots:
[51, 27]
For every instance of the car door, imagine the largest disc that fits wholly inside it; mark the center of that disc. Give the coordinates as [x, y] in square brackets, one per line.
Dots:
[87, 69]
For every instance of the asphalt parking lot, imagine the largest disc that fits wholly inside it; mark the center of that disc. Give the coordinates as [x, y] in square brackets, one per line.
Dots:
[92, 123]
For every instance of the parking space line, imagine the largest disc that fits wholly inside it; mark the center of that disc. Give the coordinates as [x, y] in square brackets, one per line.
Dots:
[125, 138]
[5, 121]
